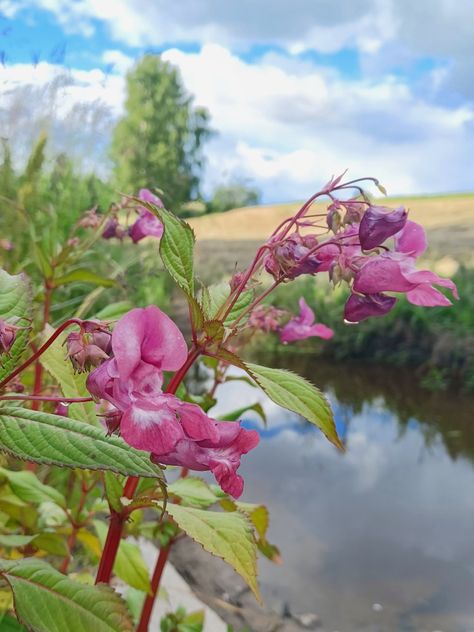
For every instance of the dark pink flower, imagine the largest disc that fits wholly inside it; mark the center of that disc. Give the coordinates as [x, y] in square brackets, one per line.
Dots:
[147, 224]
[145, 342]
[396, 272]
[62, 409]
[361, 306]
[113, 229]
[221, 457]
[411, 240]
[379, 223]
[303, 326]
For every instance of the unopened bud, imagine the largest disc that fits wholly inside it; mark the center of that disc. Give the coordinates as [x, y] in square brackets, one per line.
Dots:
[7, 336]
[83, 355]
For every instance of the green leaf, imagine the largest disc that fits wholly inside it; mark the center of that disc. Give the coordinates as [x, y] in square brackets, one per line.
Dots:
[81, 275]
[9, 624]
[114, 311]
[176, 247]
[298, 395]
[51, 543]
[72, 384]
[47, 601]
[226, 535]
[45, 438]
[15, 541]
[216, 295]
[129, 564]
[27, 487]
[237, 414]
[113, 491]
[193, 491]
[15, 308]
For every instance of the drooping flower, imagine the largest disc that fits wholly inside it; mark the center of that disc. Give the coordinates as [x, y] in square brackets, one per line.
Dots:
[379, 223]
[146, 342]
[147, 224]
[359, 307]
[303, 326]
[292, 257]
[113, 228]
[83, 354]
[396, 272]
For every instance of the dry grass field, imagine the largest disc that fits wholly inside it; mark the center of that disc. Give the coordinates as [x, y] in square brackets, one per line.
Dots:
[229, 239]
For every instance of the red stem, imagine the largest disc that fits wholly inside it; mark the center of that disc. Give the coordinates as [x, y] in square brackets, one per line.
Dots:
[155, 584]
[41, 350]
[118, 519]
[47, 398]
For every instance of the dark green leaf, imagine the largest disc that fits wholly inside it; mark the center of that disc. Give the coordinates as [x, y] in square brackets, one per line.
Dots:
[81, 275]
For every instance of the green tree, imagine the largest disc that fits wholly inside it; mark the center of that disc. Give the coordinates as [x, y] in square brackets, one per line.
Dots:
[158, 143]
[233, 195]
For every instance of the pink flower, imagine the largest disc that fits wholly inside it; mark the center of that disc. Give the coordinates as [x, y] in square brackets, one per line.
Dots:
[292, 257]
[221, 457]
[146, 342]
[113, 229]
[265, 318]
[359, 307]
[84, 354]
[411, 239]
[8, 335]
[379, 223]
[147, 224]
[396, 272]
[303, 326]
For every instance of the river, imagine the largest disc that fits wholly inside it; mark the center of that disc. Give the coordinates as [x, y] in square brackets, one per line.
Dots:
[380, 538]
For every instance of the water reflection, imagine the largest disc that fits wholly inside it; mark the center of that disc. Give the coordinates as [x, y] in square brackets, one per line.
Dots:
[380, 538]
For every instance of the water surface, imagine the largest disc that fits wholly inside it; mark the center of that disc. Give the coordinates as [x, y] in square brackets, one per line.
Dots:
[380, 538]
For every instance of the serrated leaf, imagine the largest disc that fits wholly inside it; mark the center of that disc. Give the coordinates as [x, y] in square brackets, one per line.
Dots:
[44, 438]
[193, 491]
[298, 395]
[81, 275]
[176, 247]
[258, 515]
[129, 564]
[47, 601]
[215, 296]
[237, 414]
[27, 487]
[15, 308]
[72, 384]
[226, 535]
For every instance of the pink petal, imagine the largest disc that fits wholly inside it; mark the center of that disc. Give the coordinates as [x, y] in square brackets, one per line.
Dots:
[151, 427]
[306, 316]
[411, 239]
[147, 196]
[381, 274]
[321, 331]
[150, 335]
[427, 296]
[196, 424]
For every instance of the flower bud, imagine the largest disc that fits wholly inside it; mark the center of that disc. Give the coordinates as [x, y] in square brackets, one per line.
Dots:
[62, 409]
[113, 229]
[379, 223]
[7, 336]
[236, 280]
[333, 218]
[90, 219]
[83, 354]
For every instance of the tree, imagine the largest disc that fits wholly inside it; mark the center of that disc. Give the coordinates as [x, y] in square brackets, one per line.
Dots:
[233, 195]
[158, 143]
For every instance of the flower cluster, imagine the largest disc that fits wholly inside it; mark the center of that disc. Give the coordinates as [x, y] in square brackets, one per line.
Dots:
[372, 248]
[146, 225]
[145, 343]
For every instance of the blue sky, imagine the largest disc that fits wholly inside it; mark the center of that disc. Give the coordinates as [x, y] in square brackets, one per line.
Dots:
[296, 91]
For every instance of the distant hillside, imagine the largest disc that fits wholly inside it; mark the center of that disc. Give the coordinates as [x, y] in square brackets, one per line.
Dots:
[448, 219]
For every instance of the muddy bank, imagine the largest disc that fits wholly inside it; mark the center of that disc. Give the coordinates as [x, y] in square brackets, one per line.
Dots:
[217, 585]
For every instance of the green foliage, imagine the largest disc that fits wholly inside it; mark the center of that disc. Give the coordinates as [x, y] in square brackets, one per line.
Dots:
[45, 438]
[180, 621]
[193, 492]
[15, 308]
[27, 487]
[47, 601]
[214, 297]
[159, 140]
[298, 395]
[226, 535]
[233, 195]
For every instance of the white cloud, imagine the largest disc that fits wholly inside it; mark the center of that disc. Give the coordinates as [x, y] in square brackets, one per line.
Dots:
[119, 62]
[285, 125]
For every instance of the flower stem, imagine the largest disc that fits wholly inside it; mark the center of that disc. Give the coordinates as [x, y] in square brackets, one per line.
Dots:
[117, 519]
[41, 350]
[45, 398]
[155, 585]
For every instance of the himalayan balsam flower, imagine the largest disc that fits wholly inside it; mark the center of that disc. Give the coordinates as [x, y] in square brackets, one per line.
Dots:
[147, 224]
[303, 326]
[359, 307]
[146, 342]
[265, 318]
